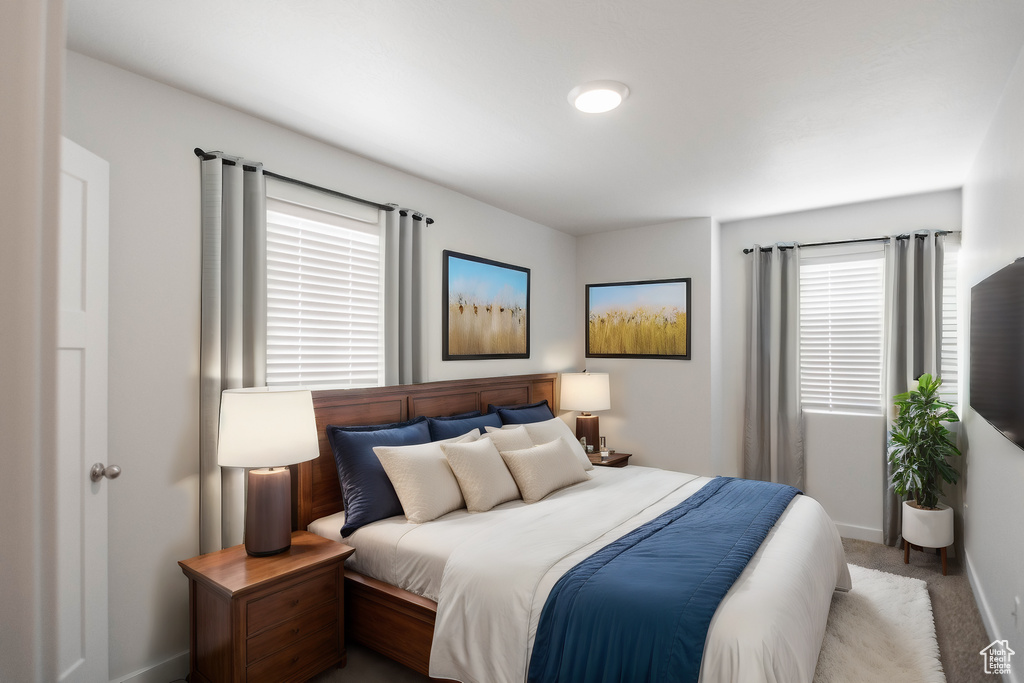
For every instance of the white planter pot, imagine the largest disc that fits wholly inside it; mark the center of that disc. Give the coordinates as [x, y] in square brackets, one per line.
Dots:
[928, 528]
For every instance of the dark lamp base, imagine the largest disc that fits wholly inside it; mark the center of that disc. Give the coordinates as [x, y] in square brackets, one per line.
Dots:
[268, 517]
[587, 425]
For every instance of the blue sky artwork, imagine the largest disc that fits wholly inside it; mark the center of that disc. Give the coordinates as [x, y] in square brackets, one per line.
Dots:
[485, 283]
[628, 297]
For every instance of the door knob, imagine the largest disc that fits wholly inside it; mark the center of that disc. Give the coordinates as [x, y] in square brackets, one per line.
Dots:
[98, 471]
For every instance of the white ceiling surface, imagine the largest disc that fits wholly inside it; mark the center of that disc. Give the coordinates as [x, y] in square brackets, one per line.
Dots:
[738, 108]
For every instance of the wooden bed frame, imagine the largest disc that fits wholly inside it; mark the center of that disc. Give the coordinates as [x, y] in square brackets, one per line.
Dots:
[392, 621]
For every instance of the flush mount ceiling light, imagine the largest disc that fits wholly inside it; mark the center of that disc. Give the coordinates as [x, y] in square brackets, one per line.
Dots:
[597, 97]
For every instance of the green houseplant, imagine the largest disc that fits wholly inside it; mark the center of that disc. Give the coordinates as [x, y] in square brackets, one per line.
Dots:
[919, 444]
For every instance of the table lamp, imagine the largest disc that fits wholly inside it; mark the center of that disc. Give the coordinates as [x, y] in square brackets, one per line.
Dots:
[267, 430]
[585, 392]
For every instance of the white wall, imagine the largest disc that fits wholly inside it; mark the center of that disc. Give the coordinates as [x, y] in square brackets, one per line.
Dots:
[844, 452]
[147, 132]
[31, 40]
[993, 237]
[661, 409]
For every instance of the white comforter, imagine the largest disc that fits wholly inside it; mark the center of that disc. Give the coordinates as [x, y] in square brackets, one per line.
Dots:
[769, 626]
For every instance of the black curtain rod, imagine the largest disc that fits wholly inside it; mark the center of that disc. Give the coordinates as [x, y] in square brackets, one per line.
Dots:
[854, 241]
[416, 216]
[311, 186]
[207, 156]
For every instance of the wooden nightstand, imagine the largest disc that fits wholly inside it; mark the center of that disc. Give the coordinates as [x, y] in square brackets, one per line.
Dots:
[614, 460]
[279, 618]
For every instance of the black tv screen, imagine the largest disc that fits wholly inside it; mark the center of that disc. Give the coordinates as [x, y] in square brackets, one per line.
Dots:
[997, 350]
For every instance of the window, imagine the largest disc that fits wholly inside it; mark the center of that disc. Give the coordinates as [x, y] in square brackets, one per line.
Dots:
[950, 358]
[841, 322]
[324, 290]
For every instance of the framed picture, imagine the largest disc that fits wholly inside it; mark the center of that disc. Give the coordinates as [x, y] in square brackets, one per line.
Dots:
[648, 319]
[486, 309]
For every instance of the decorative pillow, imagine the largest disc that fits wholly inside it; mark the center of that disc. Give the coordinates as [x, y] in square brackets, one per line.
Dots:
[509, 438]
[447, 427]
[483, 477]
[460, 416]
[517, 415]
[539, 470]
[422, 478]
[366, 491]
[555, 428]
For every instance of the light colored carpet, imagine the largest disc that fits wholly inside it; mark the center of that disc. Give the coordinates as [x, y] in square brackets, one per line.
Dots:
[881, 631]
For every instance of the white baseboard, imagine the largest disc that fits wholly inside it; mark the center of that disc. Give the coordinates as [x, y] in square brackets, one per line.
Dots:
[861, 533]
[173, 669]
[986, 617]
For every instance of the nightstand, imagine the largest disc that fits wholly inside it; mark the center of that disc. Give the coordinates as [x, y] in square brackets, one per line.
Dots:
[614, 460]
[279, 618]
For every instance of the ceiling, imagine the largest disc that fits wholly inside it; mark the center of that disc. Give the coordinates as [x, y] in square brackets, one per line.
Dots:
[738, 108]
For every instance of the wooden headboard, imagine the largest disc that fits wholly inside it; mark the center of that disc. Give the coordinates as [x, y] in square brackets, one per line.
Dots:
[315, 489]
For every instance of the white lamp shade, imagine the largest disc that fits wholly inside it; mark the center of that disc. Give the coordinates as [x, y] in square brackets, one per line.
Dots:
[585, 391]
[263, 428]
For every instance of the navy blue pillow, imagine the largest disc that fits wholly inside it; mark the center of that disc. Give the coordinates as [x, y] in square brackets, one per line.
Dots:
[518, 415]
[460, 416]
[457, 425]
[365, 488]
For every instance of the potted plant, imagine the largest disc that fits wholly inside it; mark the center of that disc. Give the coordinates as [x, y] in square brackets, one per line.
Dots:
[919, 448]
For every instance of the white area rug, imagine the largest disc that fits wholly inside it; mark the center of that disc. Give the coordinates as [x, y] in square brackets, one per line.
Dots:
[880, 631]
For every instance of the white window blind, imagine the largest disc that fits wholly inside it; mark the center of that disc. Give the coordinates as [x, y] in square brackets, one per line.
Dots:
[950, 358]
[324, 297]
[841, 318]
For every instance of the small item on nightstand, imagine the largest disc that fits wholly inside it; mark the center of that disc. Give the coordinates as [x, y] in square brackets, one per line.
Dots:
[604, 455]
[604, 444]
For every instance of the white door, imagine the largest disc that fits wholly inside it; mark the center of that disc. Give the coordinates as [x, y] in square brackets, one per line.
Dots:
[81, 419]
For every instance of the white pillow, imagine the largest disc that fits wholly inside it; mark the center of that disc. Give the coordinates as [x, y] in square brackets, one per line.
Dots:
[555, 428]
[483, 477]
[424, 482]
[471, 435]
[509, 439]
[539, 470]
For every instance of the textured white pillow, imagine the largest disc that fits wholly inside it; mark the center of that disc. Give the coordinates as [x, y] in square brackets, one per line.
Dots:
[482, 474]
[506, 439]
[424, 482]
[539, 470]
[471, 435]
[555, 428]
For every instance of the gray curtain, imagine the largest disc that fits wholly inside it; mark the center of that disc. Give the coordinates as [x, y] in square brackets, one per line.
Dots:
[233, 328]
[914, 337]
[403, 362]
[773, 445]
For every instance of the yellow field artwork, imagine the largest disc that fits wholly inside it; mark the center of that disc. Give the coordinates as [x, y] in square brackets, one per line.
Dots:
[638, 319]
[492, 328]
[487, 309]
[640, 331]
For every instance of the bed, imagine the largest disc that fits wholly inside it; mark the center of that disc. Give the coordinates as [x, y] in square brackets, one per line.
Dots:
[790, 578]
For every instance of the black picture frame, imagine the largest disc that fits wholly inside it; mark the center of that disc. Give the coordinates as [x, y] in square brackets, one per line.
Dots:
[638, 319]
[477, 295]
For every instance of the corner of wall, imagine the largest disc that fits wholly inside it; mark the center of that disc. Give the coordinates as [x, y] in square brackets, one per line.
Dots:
[717, 352]
[655, 402]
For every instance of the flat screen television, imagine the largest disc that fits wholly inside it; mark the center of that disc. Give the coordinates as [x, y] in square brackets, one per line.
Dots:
[997, 350]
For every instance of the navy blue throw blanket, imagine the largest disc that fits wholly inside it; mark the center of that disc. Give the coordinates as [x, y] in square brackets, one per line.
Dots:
[639, 609]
